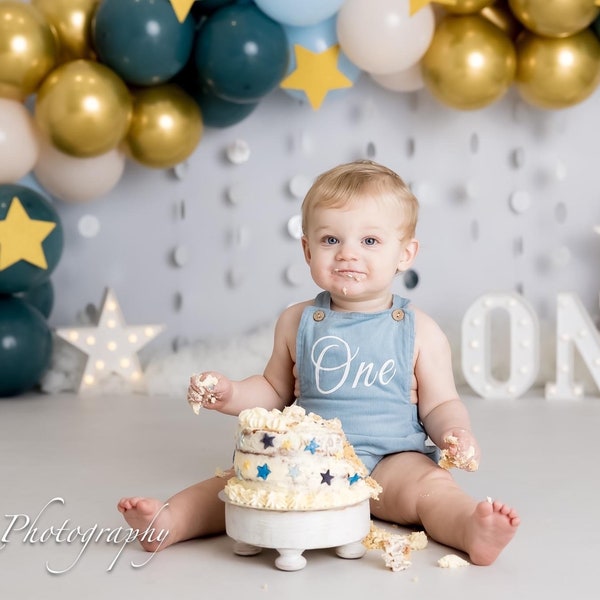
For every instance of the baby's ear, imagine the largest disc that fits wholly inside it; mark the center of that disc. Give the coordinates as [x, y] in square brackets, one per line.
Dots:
[408, 255]
[305, 249]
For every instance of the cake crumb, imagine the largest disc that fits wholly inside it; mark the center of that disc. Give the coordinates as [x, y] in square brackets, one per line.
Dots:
[396, 548]
[452, 561]
[452, 457]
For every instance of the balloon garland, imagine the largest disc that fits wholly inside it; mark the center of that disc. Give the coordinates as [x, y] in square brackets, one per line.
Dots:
[106, 76]
[31, 243]
[111, 80]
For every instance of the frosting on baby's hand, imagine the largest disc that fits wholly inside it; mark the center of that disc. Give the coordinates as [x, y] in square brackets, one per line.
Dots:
[454, 457]
[201, 391]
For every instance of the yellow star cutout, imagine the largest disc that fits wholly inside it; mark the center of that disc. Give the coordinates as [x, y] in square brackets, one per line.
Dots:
[21, 237]
[111, 346]
[417, 5]
[182, 8]
[316, 74]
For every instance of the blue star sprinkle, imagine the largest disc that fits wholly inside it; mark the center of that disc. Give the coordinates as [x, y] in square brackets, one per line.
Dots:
[312, 446]
[354, 478]
[294, 472]
[326, 477]
[263, 471]
[267, 440]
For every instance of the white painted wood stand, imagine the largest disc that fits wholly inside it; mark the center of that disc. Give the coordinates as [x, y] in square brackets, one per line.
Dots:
[293, 532]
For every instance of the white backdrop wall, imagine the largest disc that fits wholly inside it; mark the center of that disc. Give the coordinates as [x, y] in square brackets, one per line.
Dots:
[208, 252]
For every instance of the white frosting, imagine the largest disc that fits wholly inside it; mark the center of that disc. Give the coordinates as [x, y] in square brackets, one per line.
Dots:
[290, 460]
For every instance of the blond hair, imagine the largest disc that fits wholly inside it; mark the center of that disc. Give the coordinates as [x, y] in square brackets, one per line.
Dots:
[350, 182]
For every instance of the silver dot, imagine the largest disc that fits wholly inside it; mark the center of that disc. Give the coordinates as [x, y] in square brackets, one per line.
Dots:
[179, 256]
[238, 152]
[299, 185]
[180, 170]
[88, 226]
[294, 227]
[295, 274]
[518, 158]
[520, 201]
[474, 143]
[237, 193]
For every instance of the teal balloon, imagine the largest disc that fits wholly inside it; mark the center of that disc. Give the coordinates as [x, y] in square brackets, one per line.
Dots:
[241, 54]
[41, 297]
[216, 112]
[22, 275]
[25, 346]
[220, 113]
[202, 8]
[142, 40]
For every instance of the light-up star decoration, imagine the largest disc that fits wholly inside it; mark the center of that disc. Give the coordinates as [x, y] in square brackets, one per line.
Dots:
[316, 74]
[182, 8]
[111, 347]
[21, 237]
[417, 5]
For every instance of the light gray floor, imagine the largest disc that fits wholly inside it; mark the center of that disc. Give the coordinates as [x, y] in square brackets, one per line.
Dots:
[540, 456]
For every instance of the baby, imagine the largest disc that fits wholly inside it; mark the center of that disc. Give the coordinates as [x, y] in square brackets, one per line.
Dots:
[362, 354]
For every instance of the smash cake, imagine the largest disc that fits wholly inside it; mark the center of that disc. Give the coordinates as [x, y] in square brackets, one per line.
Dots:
[291, 460]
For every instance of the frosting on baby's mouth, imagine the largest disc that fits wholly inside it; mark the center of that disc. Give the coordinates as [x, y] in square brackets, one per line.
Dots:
[355, 275]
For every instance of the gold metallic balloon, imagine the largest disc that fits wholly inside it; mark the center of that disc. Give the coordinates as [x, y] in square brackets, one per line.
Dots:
[555, 18]
[166, 126]
[464, 7]
[84, 108]
[501, 16]
[555, 73]
[71, 21]
[27, 49]
[469, 64]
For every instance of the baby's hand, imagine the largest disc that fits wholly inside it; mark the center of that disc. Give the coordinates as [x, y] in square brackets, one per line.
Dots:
[208, 390]
[460, 450]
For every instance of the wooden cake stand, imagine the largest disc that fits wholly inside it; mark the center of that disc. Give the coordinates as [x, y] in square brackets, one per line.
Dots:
[292, 532]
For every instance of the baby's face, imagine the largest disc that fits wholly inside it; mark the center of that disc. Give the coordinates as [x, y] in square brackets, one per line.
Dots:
[355, 251]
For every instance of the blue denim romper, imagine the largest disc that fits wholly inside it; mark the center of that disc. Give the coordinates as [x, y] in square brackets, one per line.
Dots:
[358, 367]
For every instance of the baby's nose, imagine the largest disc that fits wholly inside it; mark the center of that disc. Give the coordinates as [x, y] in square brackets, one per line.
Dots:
[346, 251]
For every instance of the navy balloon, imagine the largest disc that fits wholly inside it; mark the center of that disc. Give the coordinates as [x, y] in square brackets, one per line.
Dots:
[142, 40]
[25, 346]
[241, 53]
[23, 275]
[220, 113]
[41, 297]
[216, 112]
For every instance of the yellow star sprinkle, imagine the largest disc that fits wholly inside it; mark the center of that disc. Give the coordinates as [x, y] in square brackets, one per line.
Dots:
[21, 237]
[316, 74]
[417, 5]
[182, 8]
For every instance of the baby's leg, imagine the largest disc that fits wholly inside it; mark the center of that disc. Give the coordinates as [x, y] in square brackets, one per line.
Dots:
[191, 513]
[416, 491]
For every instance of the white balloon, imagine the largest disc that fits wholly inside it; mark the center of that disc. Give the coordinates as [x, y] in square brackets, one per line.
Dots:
[19, 145]
[409, 80]
[75, 179]
[380, 36]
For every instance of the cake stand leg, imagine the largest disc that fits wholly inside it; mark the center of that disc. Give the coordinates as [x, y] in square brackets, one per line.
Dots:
[352, 550]
[243, 549]
[290, 559]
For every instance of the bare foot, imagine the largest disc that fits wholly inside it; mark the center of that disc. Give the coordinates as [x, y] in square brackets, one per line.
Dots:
[151, 518]
[492, 526]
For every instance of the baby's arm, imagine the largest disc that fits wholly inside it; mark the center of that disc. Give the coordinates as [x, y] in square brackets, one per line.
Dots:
[443, 414]
[273, 389]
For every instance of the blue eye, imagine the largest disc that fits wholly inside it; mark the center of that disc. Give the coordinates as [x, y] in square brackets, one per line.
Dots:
[330, 240]
[370, 241]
